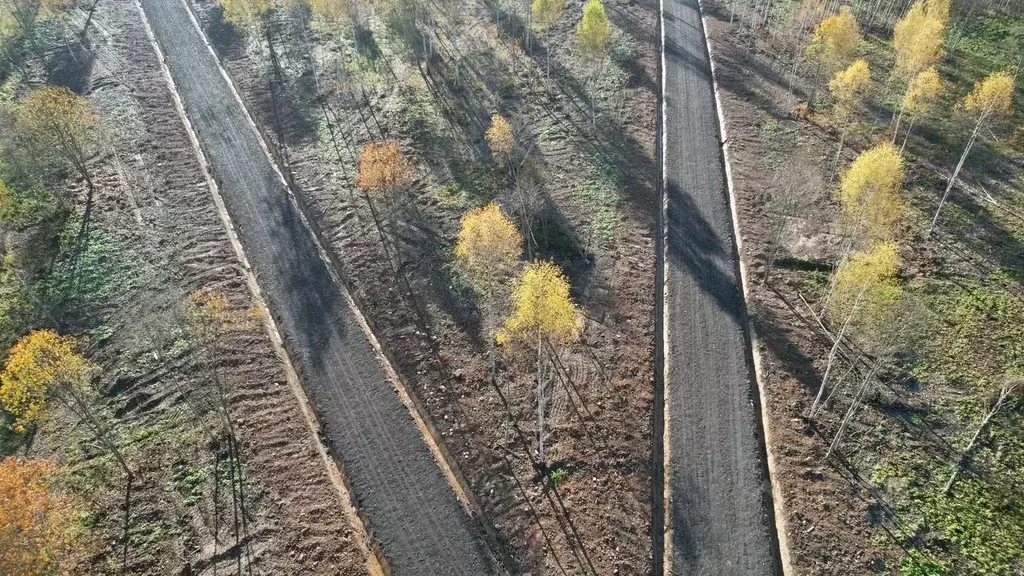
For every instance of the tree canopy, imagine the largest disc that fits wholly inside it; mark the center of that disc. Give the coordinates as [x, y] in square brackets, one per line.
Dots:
[488, 249]
[918, 36]
[992, 96]
[542, 306]
[500, 139]
[57, 121]
[847, 87]
[925, 90]
[869, 191]
[545, 13]
[383, 167]
[866, 285]
[835, 39]
[37, 364]
[37, 525]
[593, 33]
[245, 12]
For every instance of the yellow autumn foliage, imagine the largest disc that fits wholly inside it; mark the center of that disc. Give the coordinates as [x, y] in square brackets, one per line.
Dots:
[58, 120]
[992, 96]
[488, 249]
[37, 364]
[383, 167]
[848, 86]
[924, 92]
[245, 12]
[869, 191]
[918, 36]
[208, 314]
[499, 136]
[330, 10]
[836, 38]
[545, 13]
[542, 307]
[37, 525]
[593, 31]
[866, 285]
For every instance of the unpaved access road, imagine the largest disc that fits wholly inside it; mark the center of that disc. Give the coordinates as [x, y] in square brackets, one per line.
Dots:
[720, 517]
[411, 509]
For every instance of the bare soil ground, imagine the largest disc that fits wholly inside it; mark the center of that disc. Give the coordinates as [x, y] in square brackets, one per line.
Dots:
[155, 238]
[598, 223]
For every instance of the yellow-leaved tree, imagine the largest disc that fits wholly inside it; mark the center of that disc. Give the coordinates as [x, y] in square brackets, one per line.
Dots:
[835, 40]
[918, 36]
[919, 101]
[543, 314]
[487, 255]
[866, 300]
[593, 36]
[864, 296]
[991, 99]
[544, 13]
[331, 10]
[38, 534]
[44, 364]
[917, 43]
[848, 87]
[869, 193]
[384, 169]
[38, 366]
[500, 138]
[594, 32]
[488, 250]
[247, 13]
[57, 122]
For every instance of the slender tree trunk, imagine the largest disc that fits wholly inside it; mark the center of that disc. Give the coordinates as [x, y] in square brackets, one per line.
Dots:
[969, 452]
[956, 173]
[541, 452]
[906, 136]
[832, 357]
[865, 384]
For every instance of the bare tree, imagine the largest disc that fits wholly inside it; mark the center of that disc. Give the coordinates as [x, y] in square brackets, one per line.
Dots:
[1010, 389]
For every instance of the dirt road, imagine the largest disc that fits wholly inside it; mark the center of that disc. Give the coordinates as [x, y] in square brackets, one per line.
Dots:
[720, 513]
[411, 508]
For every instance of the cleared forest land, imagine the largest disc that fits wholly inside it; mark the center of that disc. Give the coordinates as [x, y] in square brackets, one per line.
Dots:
[202, 497]
[882, 501]
[585, 197]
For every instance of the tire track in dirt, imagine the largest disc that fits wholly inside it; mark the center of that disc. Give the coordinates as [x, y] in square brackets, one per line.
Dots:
[719, 516]
[400, 489]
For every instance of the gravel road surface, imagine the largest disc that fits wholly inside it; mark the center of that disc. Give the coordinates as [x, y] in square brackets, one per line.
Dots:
[720, 512]
[411, 508]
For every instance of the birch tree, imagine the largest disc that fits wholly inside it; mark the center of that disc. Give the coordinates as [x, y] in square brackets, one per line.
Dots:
[919, 101]
[864, 296]
[44, 364]
[487, 254]
[58, 123]
[991, 99]
[869, 194]
[245, 13]
[543, 14]
[834, 42]
[847, 88]
[38, 533]
[543, 313]
[1011, 388]
[917, 44]
[593, 36]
